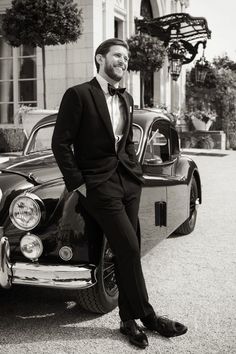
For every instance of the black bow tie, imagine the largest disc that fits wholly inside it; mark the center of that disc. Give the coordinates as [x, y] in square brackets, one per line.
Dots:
[115, 91]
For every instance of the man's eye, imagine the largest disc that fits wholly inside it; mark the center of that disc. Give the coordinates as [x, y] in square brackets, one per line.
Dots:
[120, 56]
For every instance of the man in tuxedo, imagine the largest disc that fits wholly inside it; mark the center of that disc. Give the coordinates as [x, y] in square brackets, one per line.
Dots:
[96, 119]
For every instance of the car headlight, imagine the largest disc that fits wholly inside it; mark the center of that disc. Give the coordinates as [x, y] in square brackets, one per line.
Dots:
[26, 211]
[31, 246]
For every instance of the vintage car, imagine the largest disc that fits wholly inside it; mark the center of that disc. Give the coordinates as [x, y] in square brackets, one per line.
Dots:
[49, 240]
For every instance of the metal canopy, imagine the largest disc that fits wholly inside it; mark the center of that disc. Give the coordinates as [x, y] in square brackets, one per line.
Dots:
[175, 26]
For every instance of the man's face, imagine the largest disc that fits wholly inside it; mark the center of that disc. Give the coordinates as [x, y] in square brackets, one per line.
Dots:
[115, 63]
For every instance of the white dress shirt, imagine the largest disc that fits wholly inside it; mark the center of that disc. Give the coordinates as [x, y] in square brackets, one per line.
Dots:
[115, 108]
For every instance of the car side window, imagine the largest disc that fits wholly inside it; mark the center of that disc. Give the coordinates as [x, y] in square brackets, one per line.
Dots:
[137, 134]
[174, 142]
[41, 139]
[158, 144]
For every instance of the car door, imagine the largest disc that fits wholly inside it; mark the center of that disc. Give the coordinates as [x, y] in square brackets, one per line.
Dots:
[163, 204]
[153, 199]
[154, 196]
[177, 187]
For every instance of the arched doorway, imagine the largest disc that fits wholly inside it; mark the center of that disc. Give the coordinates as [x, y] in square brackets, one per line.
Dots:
[146, 11]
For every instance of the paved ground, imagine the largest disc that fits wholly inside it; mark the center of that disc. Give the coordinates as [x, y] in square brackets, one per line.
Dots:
[190, 278]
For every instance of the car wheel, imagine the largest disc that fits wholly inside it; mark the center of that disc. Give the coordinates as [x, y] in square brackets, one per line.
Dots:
[188, 226]
[103, 296]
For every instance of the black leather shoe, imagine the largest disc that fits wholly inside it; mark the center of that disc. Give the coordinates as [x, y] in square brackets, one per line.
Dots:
[135, 334]
[164, 326]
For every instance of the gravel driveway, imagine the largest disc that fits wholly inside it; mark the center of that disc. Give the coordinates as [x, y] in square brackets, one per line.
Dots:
[190, 278]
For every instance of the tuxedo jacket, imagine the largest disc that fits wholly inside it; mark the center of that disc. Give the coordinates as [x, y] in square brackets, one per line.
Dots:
[83, 141]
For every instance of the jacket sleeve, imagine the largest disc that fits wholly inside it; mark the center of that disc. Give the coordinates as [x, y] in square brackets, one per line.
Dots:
[65, 132]
[129, 142]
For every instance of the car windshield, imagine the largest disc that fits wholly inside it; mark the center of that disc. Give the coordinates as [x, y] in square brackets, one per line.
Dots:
[41, 139]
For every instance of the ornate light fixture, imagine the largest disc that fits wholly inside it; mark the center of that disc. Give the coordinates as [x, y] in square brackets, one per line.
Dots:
[201, 69]
[176, 54]
[177, 30]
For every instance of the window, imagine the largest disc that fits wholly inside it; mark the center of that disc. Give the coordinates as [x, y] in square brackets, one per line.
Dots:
[6, 83]
[118, 28]
[174, 142]
[158, 144]
[18, 85]
[41, 140]
[137, 135]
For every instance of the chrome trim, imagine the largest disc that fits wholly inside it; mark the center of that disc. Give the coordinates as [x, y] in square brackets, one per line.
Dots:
[54, 276]
[160, 178]
[35, 274]
[156, 178]
[31, 160]
[0, 195]
[141, 137]
[197, 203]
[5, 265]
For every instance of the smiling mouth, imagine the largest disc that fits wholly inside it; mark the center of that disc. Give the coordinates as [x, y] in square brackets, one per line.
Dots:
[120, 67]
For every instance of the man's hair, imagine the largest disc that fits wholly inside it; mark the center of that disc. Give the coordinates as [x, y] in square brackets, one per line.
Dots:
[104, 48]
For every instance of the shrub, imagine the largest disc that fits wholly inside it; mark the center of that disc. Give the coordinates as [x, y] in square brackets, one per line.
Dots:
[12, 139]
[205, 142]
[232, 140]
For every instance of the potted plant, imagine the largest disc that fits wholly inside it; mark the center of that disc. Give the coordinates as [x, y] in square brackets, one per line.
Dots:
[202, 120]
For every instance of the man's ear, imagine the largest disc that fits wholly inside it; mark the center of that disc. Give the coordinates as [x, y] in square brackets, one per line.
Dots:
[99, 59]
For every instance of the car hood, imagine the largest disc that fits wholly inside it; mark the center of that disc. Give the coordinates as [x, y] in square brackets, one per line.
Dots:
[39, 168]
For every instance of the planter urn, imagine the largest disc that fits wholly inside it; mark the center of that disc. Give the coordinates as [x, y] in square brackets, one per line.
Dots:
[201, 125]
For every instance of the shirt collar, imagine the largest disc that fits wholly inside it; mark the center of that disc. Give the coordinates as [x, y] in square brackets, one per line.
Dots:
[104, 83]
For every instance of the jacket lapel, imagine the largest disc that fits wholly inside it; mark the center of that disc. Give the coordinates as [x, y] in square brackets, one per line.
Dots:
[101, 105]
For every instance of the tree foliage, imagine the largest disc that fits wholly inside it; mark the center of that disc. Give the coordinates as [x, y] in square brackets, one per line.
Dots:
[41, 22]
[224, 62]
[147, 53]
[218, 93]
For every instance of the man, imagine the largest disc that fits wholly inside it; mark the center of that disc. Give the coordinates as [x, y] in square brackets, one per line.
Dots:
[96, 119]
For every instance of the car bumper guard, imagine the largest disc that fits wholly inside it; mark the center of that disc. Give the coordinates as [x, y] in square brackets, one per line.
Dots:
[35, 274]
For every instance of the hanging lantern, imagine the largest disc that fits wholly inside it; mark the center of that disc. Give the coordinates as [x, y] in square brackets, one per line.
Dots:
[201, 69]
[177, 31]
[176, 56]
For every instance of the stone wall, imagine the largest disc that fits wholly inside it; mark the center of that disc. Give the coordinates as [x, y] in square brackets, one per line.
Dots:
[214, 139]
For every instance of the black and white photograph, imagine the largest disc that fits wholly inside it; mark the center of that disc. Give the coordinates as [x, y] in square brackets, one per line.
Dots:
[117, 176]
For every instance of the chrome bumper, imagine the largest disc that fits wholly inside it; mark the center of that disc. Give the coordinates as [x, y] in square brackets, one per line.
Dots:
[35, 274]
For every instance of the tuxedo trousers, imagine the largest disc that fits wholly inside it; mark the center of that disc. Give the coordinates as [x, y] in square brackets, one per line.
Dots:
[114, 205]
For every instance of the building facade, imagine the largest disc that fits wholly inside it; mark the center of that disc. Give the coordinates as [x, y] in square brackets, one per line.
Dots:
[21, 81]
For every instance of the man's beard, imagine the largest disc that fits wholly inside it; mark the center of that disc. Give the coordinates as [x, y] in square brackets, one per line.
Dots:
[109, 70]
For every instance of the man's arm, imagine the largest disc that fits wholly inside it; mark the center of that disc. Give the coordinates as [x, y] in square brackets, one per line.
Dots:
[65, 132]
